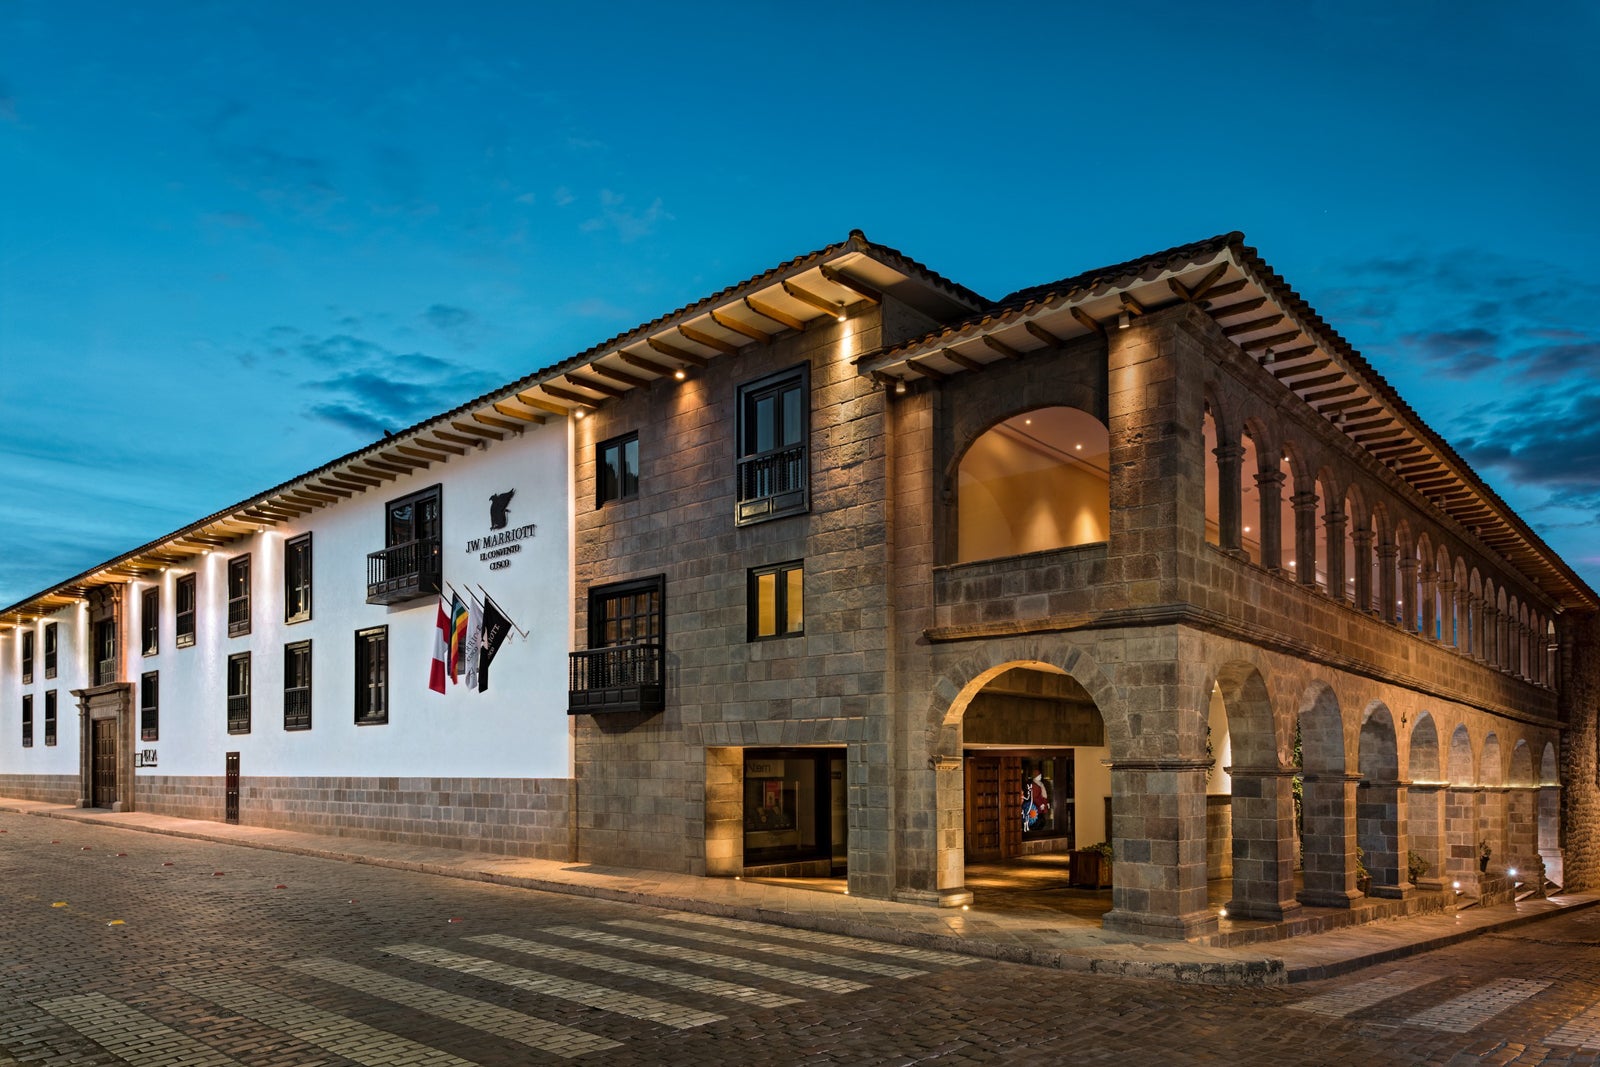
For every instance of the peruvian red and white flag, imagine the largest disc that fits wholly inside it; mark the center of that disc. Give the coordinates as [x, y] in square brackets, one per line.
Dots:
[441, 648]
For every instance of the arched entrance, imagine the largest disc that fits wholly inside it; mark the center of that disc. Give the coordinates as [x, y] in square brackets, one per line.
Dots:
[1461, 812]
[1550, 817]
[1380, 801]
[1252, 783]
[1425, 804]
[1328, 804]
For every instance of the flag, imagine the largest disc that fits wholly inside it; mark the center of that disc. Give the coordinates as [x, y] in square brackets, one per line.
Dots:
[441, 649]
[496, 627]
[458, 638]
[474, 636]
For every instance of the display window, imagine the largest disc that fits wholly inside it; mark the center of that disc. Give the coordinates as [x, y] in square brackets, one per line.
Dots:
[794, 806]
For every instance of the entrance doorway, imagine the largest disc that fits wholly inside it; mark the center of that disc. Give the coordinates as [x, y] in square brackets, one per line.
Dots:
[1019, 803]
[796, 812]
[103, 778]
[230, 789]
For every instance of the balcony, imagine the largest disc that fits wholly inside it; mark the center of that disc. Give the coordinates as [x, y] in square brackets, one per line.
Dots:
[624, 678]
[105, 671]
[404, 572]
[771, 485]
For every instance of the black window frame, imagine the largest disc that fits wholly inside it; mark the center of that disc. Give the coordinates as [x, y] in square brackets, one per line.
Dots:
[780, 606]
[768, 486]
[368, 640]
[103, 633]
[27, 720]
[297, 561]
[27, 656]
[604, 491]
[52, 707]
[150, 621]
[239, 696]
[150, 706]
[239, 595]
[296, 697]
[600, 596]
[52, 645]
[184, 618]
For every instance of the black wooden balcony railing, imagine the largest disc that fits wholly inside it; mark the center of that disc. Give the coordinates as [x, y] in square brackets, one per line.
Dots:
[297, 709]
[404, 572]
[239, 714]
[105, 671]
[772, 484]
[623, 678]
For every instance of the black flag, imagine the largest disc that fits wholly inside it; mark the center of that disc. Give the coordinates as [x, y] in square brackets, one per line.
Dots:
[495, 628]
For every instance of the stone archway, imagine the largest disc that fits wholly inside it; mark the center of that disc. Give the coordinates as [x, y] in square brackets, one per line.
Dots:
[1261, 785]
[1328, 803]
[1492, 803]
[1522, 814]
[1380, 805]
[1461, 811]
[1550, 816]
[1425, 802]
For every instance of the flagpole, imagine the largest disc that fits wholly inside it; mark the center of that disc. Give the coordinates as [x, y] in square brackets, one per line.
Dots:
[502, 611]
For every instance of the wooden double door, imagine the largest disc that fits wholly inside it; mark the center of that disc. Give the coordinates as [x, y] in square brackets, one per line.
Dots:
[103, 764]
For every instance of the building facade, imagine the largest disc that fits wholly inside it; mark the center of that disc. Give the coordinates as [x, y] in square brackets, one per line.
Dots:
[872, 577]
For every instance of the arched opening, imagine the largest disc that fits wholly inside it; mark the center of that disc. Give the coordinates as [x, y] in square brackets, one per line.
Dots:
[1289, 524]
[1380, 830]
[1219, 789]
[1550, 817]
[1405, 580]
[1425, 805]
[1213, 477]
[1492, 810]
[1325, 529]
[1327, 809]
[1461, 811]
[1037, 788]
[1357, 551]
[1422, 619]
[1035, 482]
[1250, 504]
[1522, 810]
[1259, 842]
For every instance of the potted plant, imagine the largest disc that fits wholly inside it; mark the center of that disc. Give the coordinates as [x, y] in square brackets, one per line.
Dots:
[1483, 855]
[1091, 866]
[1416, 866]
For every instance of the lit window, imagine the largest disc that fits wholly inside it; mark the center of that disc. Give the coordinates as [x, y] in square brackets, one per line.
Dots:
[773, 470]
[777, 601]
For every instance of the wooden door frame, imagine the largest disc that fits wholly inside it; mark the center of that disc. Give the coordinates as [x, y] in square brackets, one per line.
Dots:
[98, 703]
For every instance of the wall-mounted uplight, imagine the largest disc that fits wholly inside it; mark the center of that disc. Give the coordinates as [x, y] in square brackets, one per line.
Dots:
[1124, 320]
[899, 387]
[680, 374]
[578, 413]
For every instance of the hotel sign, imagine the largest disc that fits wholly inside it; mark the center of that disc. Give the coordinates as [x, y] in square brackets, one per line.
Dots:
[503, 541]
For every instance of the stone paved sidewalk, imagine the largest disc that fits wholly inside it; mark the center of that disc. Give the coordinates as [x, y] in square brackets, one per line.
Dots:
[1017, 936]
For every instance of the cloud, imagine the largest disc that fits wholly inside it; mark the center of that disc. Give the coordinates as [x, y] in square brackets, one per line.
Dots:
[368, 387]
[563, 196]
[446, 318]
[296, 181]
[629, 224]
[1553, 445]
[1457, 353]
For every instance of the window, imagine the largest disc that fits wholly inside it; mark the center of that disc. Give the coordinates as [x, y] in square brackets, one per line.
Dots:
[105, 651]
[50, 649]
[27, 721]
[184, 623]
[238, 596]
[27, 656]
[239, 693]
[150, 621]
[149, 707]
[623, 667]
[297, 579]
[617, 469]
[628, 613]
[297, 686]
[772, 471]
[50, 717]
[372, 676]
[777, 601]
[409, 566]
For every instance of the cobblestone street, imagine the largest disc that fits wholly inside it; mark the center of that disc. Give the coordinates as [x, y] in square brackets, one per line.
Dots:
[123, 947]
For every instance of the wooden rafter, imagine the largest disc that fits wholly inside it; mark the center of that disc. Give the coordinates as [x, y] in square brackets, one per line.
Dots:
[505, 408]
[479, 430]
[1201, 287]
[1285, 373]
[1242, 328]
[596, 387]
[673, 351]
[543, 405]
[435, 444]
[458, 438]
[1269, 342]
[1088, 320]
[497, 422]
[1315, 397]
[1131, 305]
[569, 395]
[1241, 308]
[396, 457]
[778, 315]
[927, 371]
[391, 468]
[959, 360]
[1043, 334]
[618, 376]
[430, 456]
[700, 337]
[844, 281]
[728, 322]
[644, 364]
[1316, 380]
[821, 303]
[994, 344]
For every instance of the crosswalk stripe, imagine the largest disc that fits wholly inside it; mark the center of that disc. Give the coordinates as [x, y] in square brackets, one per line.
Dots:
[1460, 1014]
[1582, 1031]
[682, 980]
[593, 996]
[1353, 998]
[528, 1030]
[130, 1035]
[859, 944]
[344, 1037]
[831, 959]
[709, 959]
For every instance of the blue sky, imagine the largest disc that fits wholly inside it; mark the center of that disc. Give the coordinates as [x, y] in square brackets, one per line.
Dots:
[239, 240]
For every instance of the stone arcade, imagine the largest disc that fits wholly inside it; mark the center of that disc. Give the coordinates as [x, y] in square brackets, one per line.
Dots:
[871, 576]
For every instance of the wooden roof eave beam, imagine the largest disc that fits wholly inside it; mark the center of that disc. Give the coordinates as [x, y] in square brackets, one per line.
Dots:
[610, 392]
[821, 303]
[645, 365]
[844, 281]
[1043, 334]
[572, 397]
[1274, 341]
[996, 345]
[959, 360]
[458, 439]
[672, 351]
[543, 405]
[617, 376]
[371, 471]
[775, 314]
[1197, 292]
[1242, 328]
[733, 325]
[510, 412]
[705, 340]
[1088, 321]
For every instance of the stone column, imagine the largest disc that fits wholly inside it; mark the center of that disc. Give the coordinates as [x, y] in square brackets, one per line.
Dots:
[1362, 540]
[1522, 826]
[1388, 610]
[1305, 536]
[1425, 821]
[1158, 820]
[1430, 613]
[1270, 486]
[1264, 843]
[1449, 629]
[85, 748]
[1461, 837]
[1492, 824]
[724, 812]
[1475, 626]
[1229, 523]
[1381, 830]
[1491, 634]
[1328, 806]
[1408, 594]
[1334, 522]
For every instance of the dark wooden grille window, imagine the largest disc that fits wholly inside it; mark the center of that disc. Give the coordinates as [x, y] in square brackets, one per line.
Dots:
[410, 566]
[105, 651]
[372, 676]
[150, 621]
[297, 579]
[238, 596]
[617, 469]
[27, 656]
[150, 707]
[50, 639]
[239, 693]
[50, 717]
[777, 601]
[773, 471]
[622, 669]
[184, 622]
[27, 721]
[297, 686]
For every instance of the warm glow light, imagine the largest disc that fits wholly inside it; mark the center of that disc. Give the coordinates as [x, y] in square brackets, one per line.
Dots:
[1457, 886]
[1291, 563]
[680, 374]
[1222, 913]
[1247, 529]
[1078, 447]
[1512, 871]
[1027, 422]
